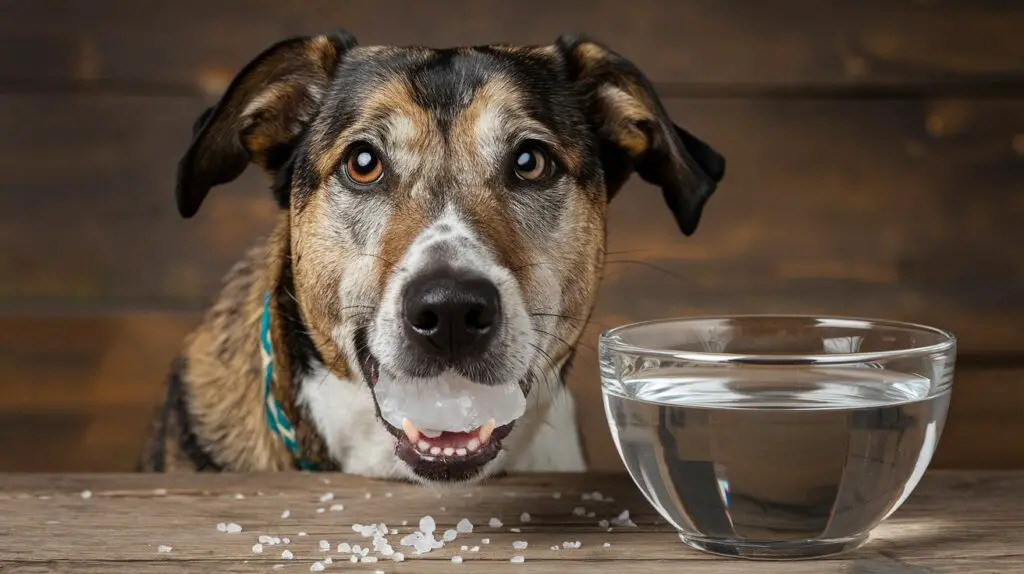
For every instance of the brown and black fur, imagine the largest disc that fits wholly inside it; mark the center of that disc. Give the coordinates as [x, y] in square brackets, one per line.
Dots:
[288, 112]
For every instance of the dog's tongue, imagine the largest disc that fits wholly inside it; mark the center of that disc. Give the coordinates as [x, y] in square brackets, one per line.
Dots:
[448, 403]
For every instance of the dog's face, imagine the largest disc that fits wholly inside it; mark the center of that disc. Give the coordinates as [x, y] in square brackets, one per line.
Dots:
[447, 207]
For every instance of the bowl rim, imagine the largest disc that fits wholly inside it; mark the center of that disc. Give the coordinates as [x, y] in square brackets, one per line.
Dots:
[607, 340]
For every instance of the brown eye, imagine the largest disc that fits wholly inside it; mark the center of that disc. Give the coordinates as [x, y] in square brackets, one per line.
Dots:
[363, 166]
[531, 163]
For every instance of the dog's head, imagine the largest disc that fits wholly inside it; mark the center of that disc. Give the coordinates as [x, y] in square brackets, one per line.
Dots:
[447, 207]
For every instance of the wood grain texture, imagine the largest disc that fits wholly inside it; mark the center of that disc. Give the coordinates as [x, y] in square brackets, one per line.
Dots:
[954, 522]
[197, 46]
[80, 391]
[896, 208]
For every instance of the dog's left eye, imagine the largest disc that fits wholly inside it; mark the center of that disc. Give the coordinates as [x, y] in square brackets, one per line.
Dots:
[531, 162]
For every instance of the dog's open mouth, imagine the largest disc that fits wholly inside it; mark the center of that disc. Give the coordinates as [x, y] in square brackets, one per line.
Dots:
[439, 455]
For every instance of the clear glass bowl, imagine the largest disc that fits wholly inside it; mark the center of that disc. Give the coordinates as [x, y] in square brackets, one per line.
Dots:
[776, 437]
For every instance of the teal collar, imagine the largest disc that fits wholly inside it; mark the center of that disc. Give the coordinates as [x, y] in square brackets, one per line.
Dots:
[276, 418]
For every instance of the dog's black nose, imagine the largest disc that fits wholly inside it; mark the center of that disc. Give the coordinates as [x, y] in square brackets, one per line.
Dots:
[451, 314]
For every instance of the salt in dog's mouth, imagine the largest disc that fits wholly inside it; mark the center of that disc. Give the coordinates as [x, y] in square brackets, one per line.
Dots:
[444, 455]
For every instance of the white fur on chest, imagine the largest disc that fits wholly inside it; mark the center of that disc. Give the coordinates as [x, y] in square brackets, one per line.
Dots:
[344, 414]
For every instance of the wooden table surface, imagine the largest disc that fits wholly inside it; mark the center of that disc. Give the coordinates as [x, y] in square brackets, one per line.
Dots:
[954, 522]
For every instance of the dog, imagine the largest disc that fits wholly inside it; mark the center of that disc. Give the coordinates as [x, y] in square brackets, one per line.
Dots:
[442, 214]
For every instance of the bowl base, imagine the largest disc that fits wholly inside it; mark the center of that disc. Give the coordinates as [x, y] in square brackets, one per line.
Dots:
[779, 550]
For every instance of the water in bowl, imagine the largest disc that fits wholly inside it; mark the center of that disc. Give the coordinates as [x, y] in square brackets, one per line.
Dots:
[764, 463]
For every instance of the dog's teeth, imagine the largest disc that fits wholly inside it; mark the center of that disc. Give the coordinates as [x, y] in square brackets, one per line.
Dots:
[460, 451]
[435, 451]
[410, 431]
[473, 445]
[449, 451]
[423, 446]
[485, 431]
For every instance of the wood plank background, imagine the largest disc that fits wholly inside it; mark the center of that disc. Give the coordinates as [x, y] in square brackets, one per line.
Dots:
[876, 155]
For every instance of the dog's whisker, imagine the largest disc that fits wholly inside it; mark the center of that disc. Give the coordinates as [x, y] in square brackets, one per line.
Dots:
[566, 343]
[390, 263]
[650, 265]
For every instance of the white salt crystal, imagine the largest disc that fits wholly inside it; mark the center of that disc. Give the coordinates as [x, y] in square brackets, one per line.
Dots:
[427, 524]
[321, 510]
[357, 549]
[353, 559]
[239, 496]
[328, 560]
[494, 523]
[286, 514]
[324, 545]
[316, 567]
[579, 511]
[160, 492]
[597, 496]
[232, 528]
[286, 540]
[607, 544]
[524, 517]
[327, 497]
[520, 545]
[556, 495]
[456, 559]
[388, 495]
[398, 557]
[368, 559]
[449, 535]
[368, 495]
[222, 527]
[344, 548]
[554, 547]
[287, 555]
[423, 546]
[464, 548]
[405, 523]
[257, 548]
[276, 541]
[264, 539]
[447, 403]
[623, 520]
[86, 494]
[603, 523]
[337, 507]
[464, 526]
[591, 514]
[517, 560]
[474, 549]
[411, 539]
[485, 541]
[303, 534]
[515, 530]
[387, 551]
[163, 549]
[364, 551]
[394, 531]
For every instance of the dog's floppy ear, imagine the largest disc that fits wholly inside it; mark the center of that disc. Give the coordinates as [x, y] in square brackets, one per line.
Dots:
[636, 134]
[260, 116]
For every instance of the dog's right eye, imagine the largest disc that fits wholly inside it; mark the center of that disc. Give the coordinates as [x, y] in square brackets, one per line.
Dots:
[363, 166]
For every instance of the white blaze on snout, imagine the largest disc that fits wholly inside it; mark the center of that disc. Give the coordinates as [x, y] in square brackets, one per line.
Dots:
[447, 403]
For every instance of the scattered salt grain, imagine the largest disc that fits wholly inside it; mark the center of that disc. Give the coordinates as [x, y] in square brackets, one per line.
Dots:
[449, 535]
[239, 496]
[623, 520]
[286, 540]
[607, 544]
[524, 517]
[572, 545]
[264, 539]
[427, 524]
[353, 559]
[405, 523]
[394, 531]
[579, 511]
[368, 559]
[464, 526]
[456, 559]
[160, 492]
[388, 495]
[287, 555]
[303, 534]
[324, 545]
[464, 548]
[515, 530]
[328, 560]
[591, 514]
[222, 527]
[232, 528]
[163, 549]
[494, 523]
[586, 497]
[367, 496]
[286, 514]
[321, 510]
[556, 495]
[357, 549]
[344, 548]
[603, 523]
[517, 560]
[398, 557]
[364, 551]
[474, 549]
[45, 497]
[86, 494]
[554, 547]
[278, 567]
[485, 541]
[257, 548]
[337, 507]
[597, 496]
[520, 545]
[316, 567]
[327, 497]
